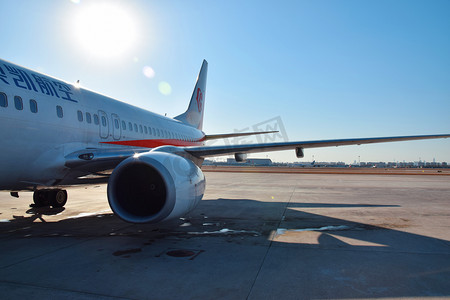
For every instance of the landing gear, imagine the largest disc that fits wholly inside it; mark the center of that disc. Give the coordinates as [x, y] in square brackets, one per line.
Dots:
[40, 198]
[54, 198]
[59, 198]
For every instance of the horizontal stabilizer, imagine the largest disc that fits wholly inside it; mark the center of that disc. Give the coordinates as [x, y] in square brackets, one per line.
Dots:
[229, 135]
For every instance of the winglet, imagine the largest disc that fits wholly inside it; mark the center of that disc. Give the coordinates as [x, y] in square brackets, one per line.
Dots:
[193, 116]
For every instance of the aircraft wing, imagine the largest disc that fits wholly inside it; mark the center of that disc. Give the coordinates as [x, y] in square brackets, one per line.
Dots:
[205, 151]
[91, 161]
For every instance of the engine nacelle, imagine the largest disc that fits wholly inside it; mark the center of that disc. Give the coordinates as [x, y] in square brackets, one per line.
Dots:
[155, 186]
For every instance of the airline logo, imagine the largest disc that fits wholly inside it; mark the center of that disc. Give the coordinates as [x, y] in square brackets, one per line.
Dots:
[12, 75]
[199, 100]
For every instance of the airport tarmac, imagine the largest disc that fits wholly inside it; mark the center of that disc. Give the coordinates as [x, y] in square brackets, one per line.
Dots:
[254, 236]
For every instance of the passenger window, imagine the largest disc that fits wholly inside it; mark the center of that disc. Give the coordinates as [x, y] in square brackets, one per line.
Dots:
[145, 130]
[154, 131]
[88, 118]
[130, 126]
[18, 103]
[140, 129]
[103, 121]
[116, 123]
[96, 121]
[3, 100]
[80, 116]
[33, 106]
[135, 127]
[124, 125]
[59, 111]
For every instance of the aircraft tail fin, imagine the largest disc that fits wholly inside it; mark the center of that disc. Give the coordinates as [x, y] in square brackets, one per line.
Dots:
[193, 116]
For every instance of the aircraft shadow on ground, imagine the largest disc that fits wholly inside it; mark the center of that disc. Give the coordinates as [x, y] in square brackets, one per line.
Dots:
[253, 222]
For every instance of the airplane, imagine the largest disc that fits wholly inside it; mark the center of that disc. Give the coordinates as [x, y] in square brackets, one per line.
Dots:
[56, 134]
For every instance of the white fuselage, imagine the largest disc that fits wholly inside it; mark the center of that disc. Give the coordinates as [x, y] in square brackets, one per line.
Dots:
[57, 118]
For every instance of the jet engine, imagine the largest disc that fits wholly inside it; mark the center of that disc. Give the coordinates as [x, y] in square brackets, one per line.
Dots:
[155, 186]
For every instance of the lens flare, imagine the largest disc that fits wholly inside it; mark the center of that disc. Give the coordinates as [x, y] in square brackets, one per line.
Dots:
[164, 88]
[148, 72]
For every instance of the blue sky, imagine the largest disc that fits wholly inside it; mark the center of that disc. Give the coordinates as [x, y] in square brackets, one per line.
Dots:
[327, 69]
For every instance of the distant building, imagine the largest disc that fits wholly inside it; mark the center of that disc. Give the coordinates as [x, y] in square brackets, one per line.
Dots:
[251, 162]
[259, 161]
[314, 164]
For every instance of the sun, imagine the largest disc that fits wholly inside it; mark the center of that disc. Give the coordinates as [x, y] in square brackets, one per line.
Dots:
[105, 30]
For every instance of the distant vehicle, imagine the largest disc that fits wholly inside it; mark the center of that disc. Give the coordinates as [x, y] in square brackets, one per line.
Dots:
[56, 134]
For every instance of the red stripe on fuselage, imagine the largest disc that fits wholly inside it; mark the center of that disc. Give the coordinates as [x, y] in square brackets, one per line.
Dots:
[154, 143]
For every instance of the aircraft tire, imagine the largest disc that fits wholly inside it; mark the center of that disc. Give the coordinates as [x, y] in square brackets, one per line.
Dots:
[41, 198]
[58, 198]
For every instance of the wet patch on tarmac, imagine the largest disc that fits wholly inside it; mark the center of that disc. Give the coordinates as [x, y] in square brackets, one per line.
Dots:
[125, 253]
[183, 253]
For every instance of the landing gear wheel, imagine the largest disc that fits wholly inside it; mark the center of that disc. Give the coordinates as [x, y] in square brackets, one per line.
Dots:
[41, 198]
[54, 198]
[58, 198]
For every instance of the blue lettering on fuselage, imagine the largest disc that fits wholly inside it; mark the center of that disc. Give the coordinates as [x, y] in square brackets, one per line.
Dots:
[45, 85]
